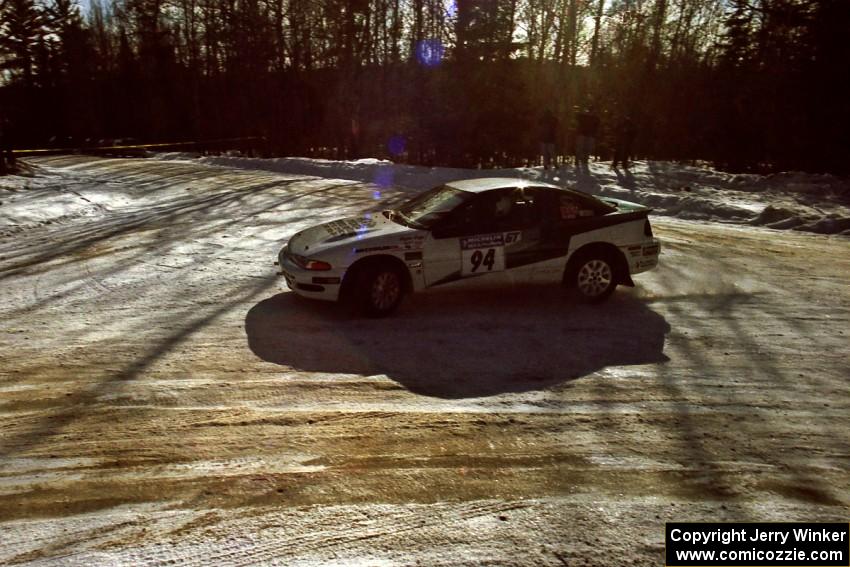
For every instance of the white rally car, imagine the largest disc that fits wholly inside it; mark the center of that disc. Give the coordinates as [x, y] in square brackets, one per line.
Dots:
[513, 229]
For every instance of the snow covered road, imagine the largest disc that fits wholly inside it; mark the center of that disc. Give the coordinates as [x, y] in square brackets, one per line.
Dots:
[163, 398]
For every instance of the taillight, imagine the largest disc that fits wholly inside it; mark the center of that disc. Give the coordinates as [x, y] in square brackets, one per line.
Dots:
[647, 229]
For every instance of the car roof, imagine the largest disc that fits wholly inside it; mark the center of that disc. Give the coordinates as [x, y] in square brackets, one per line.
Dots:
[490, 183]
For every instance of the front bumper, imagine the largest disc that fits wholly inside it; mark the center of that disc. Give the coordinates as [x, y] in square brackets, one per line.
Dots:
[314, 284]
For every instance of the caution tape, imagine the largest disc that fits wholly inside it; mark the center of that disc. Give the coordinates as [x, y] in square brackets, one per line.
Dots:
[134, 146]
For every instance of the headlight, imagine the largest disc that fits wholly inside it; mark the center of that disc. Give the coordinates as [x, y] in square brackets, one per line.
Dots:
[308, 264]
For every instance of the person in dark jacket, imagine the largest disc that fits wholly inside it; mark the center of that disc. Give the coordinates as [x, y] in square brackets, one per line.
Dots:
[587, 129]
[624, 139]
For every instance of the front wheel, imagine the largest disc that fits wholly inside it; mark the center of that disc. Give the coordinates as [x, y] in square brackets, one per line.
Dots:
[380, 291]
[593, 279]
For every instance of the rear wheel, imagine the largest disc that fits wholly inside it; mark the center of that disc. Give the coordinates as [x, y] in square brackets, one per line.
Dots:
[593, 278]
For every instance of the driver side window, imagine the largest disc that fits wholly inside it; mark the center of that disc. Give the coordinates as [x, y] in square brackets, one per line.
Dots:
[523, 210]
[494, 211]
[476, 216]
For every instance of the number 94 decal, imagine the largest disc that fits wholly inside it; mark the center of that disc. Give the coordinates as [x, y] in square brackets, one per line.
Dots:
[482, 254]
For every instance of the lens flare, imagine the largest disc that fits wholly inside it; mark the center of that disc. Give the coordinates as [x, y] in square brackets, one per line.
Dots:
[383, 179]
[429, 52]
[396, 145]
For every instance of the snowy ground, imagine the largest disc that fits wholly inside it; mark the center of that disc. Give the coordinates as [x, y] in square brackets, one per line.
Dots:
[163, 399]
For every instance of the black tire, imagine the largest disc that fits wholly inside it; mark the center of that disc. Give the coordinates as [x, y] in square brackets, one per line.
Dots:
[379, 291]
[593, 277]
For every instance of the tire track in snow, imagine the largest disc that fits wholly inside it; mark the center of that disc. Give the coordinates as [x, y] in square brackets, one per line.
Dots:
[247, 552]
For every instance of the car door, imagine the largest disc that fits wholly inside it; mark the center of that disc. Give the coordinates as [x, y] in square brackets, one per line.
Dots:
[523, 229]
[563, 216]
[488, 236]
[441, 252]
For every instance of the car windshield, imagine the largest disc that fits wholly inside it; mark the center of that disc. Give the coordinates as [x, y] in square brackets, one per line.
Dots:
[427, 208]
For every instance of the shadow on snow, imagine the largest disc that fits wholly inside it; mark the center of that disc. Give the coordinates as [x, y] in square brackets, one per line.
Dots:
[462, 344]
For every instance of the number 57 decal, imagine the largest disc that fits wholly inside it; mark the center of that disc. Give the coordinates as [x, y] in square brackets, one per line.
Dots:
[482, 254]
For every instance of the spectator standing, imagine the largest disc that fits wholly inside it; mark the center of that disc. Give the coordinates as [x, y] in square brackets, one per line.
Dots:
[587, 129]
[548, 136]
[7, 158]
[624, 140]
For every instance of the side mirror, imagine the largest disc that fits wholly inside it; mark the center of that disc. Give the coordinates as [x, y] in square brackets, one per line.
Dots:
[446, 231]
[447, 228]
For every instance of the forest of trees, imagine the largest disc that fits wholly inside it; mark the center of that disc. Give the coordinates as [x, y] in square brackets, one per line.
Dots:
[745, 84]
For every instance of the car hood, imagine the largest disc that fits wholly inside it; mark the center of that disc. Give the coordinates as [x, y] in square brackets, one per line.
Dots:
[344, 232]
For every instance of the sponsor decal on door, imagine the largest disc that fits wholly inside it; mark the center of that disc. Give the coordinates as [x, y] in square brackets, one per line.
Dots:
[482, 254]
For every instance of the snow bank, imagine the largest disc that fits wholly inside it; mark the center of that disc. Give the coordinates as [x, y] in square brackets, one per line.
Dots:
[783, 201]
[38, 199]
[383, 173]
[45, 196]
